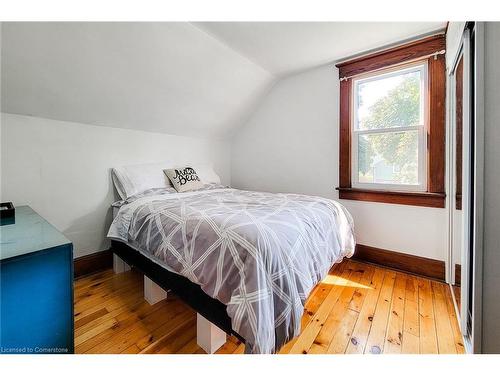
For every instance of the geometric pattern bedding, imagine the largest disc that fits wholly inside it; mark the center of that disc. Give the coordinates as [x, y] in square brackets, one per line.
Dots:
[258, 253]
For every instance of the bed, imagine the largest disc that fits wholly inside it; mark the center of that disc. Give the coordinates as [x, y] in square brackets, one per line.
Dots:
[245, 260]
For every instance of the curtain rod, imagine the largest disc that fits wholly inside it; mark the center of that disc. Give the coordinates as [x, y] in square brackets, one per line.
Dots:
[434, 54]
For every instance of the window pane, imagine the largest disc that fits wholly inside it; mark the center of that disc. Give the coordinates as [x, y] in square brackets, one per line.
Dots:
[388, 101]
[388, 158]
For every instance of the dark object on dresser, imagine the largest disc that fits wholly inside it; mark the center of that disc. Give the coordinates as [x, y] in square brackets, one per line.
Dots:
[7, 213]
[36, 287]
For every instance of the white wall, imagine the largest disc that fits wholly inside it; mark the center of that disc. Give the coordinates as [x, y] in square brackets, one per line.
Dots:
[62, 169]
[491, 255]
[290, 144]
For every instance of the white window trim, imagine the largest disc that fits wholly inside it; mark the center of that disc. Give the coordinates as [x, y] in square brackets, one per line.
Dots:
[422, 129]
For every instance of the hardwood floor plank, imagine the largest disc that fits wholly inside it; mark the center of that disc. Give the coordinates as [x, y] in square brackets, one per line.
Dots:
[333, 322]
[394, 335]
[428, 339]
[137, 331]
[240, 349]
[457, 295]
[184, 334]
[190, 348]
[95, 331]
[361, 291]
[313, 303]
[136, 326]
[102, 299]
[117, 306]
[91, 317]
[228, 348]
[107, 284]
[364, 322]
[132, 349]
[109, 315]
[411, 315]
[125, 322]
[110, 302]
[341, 339]
[457, 335]
[93, 279]
[411, 344]
[444, 331]
[160, 337]
[308, 335]
[376, 337]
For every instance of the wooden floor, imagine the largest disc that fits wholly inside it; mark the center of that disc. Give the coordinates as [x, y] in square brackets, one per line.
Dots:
[457, 291]
[358, 308]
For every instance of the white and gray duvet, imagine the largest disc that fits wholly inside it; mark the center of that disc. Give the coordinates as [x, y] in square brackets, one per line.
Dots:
[258, 253]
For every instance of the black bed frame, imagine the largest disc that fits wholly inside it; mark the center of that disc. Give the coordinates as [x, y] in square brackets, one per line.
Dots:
[211, 309]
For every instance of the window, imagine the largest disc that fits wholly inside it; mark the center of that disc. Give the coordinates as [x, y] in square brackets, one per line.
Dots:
[388, 129]
[392, 123]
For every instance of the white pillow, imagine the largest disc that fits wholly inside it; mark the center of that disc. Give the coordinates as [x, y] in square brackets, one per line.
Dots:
[133, 179]
[206, 172]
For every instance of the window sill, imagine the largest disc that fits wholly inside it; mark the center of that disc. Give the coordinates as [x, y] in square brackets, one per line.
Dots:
[423, 199]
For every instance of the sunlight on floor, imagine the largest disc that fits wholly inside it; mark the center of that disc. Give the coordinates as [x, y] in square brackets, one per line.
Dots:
[340, 281]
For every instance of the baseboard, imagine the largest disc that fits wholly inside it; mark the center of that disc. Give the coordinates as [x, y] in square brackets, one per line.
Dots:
[458, 274]
[92, 263]
[420, 266]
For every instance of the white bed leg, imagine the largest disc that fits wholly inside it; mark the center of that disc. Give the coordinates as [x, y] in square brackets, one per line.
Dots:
[208, 336]
[119, 265]
[153, 293]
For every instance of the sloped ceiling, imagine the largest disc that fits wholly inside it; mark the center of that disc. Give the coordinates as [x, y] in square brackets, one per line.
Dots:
[162, 77]
[287, 47]
[201, 79]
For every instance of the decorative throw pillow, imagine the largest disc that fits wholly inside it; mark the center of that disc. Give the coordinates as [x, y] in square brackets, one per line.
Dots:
[184, 179]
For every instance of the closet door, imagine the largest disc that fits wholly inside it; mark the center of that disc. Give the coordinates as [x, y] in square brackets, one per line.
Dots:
[459, 182]
[467, 153]
[455, 182]
[465, 183]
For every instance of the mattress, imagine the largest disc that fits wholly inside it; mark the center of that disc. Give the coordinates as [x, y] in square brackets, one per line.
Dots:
[258, 253]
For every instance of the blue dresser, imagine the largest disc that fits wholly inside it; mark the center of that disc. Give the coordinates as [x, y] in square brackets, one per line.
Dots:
[36, 287]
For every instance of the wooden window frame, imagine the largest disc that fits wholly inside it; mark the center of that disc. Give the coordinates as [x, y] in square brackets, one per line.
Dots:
[431, 49]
